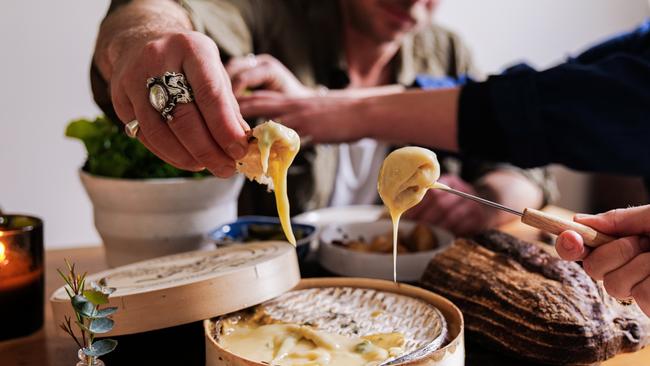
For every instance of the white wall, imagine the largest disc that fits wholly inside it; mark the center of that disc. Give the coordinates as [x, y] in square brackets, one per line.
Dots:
[502, 32]
[542, 33]
[45, 55]
[47, 45]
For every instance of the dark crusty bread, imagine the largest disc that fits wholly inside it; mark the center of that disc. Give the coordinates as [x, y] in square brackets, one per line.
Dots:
[521, 298]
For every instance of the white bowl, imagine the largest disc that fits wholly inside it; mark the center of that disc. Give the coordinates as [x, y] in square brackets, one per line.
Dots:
[341, 214]
[346, 262]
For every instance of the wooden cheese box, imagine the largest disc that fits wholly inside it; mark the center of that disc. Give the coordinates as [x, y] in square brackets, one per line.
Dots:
[167, 306]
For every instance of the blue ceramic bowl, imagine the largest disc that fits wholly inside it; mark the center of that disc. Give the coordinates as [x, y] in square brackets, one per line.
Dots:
[263, 228]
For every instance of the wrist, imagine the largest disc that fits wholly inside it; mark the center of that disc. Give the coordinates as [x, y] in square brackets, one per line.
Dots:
[363, 111]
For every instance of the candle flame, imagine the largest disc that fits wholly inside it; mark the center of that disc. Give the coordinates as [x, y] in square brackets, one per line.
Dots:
[3, 256]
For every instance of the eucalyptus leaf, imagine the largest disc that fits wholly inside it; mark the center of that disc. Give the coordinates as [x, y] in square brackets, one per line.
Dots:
[101, 287]
[101, 325]
[100, 348]
[103, 313]
[83, 306]
[96, 297]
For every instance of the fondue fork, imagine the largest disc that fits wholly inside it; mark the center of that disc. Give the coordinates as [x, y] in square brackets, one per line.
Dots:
[540, 220]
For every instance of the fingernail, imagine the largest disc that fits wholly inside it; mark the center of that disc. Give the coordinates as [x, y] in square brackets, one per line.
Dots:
[567, 245]
[236, 151]
[581, 216]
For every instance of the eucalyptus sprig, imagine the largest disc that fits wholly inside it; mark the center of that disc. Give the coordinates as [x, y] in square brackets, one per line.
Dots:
[89, 317]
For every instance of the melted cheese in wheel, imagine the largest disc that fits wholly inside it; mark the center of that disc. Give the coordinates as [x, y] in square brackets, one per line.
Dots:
[268, 159]
[405, 177]
[301, 345]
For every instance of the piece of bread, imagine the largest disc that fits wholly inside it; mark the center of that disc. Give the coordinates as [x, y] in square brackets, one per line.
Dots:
[523, 300]
[251, 165]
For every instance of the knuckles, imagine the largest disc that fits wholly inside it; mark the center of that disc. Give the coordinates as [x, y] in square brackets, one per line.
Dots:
[207, 92]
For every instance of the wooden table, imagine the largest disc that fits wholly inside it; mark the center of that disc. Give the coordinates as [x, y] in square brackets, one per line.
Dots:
[47, 347]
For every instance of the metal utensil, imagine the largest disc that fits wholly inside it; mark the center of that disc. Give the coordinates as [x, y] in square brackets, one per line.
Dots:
[539, 219]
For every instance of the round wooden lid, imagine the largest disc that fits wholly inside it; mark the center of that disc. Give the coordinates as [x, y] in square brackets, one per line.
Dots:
[193, 286]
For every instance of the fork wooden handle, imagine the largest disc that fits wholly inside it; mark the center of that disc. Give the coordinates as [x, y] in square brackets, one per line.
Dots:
[556, 225]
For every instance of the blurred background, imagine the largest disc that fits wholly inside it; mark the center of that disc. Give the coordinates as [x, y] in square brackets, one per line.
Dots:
[46, 51]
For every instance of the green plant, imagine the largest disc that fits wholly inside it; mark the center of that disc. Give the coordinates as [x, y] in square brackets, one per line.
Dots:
[89, 317]
[113, 154]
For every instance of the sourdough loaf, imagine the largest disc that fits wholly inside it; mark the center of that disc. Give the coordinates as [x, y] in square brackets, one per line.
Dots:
[521, 298]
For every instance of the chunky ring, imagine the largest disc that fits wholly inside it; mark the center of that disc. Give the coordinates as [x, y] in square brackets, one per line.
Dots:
[131, 129]
[166, 91]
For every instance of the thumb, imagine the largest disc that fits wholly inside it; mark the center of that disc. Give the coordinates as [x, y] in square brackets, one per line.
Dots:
[620, 222]
[570, 246]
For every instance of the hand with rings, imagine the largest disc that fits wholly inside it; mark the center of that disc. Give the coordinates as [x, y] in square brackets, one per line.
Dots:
[174, 95]
[622, 264]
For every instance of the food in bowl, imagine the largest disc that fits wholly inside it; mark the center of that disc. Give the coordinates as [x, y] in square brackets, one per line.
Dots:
[421, 238]
[362, 262]
[263, 338]
[340, 322]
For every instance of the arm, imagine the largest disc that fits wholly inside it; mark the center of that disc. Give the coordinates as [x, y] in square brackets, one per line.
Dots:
[588, 116]
[265, 72]
[146, 38]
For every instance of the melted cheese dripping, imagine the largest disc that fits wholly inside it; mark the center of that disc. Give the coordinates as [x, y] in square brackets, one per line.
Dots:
[269, 156]
[404, 179]
[301, 345]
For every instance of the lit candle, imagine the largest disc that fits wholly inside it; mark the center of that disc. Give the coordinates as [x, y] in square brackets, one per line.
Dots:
[21, 275]
[3, 256]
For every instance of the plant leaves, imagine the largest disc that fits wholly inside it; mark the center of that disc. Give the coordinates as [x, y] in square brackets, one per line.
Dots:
[112, 154]
[101, 325]
[82, 306]
[103, 313]
[100, 348]
[101, 287]
[82, 129]
[96, 297]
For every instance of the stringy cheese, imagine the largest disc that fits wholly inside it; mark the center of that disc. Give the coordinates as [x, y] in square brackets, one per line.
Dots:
[405, 177]
[269, 156]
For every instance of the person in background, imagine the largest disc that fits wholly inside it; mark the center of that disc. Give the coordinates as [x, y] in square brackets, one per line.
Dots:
[589, 113]
[294, 49]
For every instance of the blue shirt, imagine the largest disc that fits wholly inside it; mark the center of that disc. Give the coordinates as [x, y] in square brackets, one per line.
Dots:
[590, 113]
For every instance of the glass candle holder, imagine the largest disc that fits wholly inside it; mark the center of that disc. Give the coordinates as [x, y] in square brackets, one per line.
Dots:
[21, 275]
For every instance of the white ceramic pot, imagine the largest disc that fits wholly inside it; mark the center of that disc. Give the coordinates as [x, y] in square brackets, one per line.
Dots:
[142, 219]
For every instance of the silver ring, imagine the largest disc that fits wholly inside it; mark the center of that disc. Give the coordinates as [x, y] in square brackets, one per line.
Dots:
[168, 90]
[131, 129]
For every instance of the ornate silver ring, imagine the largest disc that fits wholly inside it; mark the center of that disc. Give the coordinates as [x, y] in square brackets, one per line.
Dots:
[168, 90]
[132, 128]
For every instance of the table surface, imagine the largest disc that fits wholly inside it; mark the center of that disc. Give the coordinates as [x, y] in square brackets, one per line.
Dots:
[47, 347]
